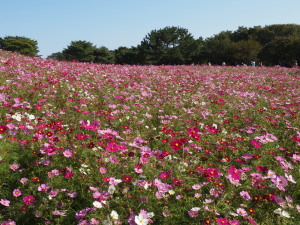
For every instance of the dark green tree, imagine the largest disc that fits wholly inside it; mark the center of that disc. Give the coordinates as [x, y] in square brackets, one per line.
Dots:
[218, 49]
[22, 45]
[104, 55]
[246, 51]
[1, 43]
[81, 51]
[198, 56]
[57, 56]
[281, 51]
[128, 56]
[170, 45]
[241, 34]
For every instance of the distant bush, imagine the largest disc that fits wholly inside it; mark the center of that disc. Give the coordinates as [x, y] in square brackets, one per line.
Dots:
[21, 45]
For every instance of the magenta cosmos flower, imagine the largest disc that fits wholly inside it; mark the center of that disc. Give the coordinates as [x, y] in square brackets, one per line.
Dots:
[28, 200]
[164, 175]
[256, 143]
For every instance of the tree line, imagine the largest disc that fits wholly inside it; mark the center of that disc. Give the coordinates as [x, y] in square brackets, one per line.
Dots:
[269, 45]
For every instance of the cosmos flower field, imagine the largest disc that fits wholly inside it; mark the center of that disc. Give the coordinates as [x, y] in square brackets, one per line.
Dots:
[85, 143]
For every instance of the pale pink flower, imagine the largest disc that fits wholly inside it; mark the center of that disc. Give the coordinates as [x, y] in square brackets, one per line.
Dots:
[5, 202]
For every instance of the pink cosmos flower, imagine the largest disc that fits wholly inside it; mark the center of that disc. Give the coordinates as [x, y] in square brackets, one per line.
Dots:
[58, 213]
[23, 180]
[242, 212]
[193, 213]
[102, 170]
[196, 186]
[17, 193]
[14, 166]
[94, 221]
[68, 153]
[53, 193]
[245, 195]
[4, 202]
[43, 187]
[9, 222]
[280, 181]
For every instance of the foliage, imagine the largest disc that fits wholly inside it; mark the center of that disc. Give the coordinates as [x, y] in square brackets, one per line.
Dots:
[56, 56]
[129, 56]
[22, 45]
[218, 49]
[272, 45]
[84, 143]
[281, 50]
[103, 55]
[170, 45]
[246, 51]
[81, 51]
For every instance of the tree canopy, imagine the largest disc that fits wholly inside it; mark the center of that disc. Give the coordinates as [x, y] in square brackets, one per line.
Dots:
[170, 45]
[277, 44]
[22, 45]
[82, 51]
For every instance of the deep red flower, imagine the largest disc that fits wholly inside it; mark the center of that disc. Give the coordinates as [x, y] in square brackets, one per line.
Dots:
[127, 178]
[164, 140]
[177, 181]
[3, 129]
[212, 129]
[68, 174]
[212, 172]
[36, 179]
[262, 168]
[251, 211]
[176, 144]
[193, 132]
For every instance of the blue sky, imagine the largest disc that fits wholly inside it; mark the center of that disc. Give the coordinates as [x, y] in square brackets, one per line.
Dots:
[114, 23]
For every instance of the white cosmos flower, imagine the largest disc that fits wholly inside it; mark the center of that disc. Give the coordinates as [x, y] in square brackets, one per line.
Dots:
[17, 117]
[111, 189]
[285, 214]
[114, 215]
[195, 208]
[31, 117]
[151, 214]
[97, 204]
[171, 192]
[141, 219]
